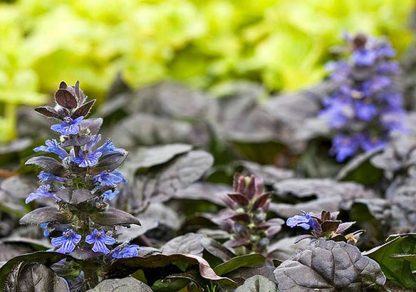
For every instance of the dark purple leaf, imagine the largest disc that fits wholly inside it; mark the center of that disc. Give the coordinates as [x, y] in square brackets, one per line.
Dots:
[34, 277]
[261, 201]
[112, 216]
[241, 217]
[83, 110]
[66, 98]
[49, 112]
[239, 199]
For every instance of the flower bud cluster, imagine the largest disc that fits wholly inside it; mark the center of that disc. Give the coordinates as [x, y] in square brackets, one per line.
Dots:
[80, 176]
[366, 106]
[250, 230]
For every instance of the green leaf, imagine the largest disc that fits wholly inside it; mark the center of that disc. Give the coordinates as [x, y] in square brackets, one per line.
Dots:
[244, 261]
[361, 170]
[257, 283]
[396, 259]
[128, 284]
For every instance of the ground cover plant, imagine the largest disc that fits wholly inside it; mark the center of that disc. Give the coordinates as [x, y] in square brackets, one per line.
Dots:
[166, 188]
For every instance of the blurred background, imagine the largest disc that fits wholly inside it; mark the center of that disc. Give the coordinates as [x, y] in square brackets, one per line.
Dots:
[280, 44]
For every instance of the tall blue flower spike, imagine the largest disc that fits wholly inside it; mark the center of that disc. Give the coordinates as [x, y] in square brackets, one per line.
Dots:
[367, 105]
[81, 176]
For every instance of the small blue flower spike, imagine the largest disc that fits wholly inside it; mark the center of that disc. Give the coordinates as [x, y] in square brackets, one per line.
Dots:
[100, 240]
[67, 242]
[366, 106]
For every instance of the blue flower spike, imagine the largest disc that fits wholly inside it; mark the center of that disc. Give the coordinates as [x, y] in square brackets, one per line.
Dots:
[366, 106]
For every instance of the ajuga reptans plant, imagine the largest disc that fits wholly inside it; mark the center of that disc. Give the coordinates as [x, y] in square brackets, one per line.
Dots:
[79, 174]
[366, 106]
[250, 230]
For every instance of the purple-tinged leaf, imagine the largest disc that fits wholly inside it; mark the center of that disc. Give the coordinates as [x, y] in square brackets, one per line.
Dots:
[93, 125]
[239, 199]
[34, 277]
[261, 201]
[330, 225]
[344, 227]
[49, 112]
[329, 265]
[83, 110]
[112, 216]
[241, 217]
[65, 98]
[48, 164]
[110, 162]
[42, 215]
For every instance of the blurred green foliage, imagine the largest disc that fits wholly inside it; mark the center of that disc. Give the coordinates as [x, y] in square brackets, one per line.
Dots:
[281, 43]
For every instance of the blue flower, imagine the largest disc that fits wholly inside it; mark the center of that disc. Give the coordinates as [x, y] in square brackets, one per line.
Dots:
[110, 194]
[42, 192]
[128, 251]
[44, 227]
[49, 177]
[109, 179]
[100, 240]
[87, 159]
[365, 111]
[68, 127]
[67, 241]
[364, 57]
[369, 143]
[338, 114]
[344, 146]
[52, 146]
[108, 148]
[305, 221]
